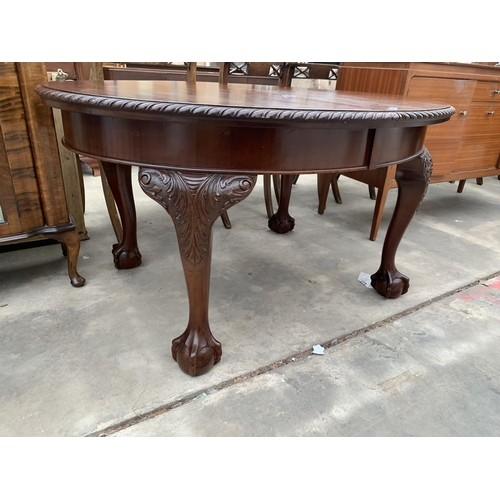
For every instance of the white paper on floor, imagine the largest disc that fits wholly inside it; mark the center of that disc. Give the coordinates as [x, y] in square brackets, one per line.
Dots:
[317, 349]
[365, 279]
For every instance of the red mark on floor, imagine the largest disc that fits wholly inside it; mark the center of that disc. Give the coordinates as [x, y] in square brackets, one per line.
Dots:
[486, 291]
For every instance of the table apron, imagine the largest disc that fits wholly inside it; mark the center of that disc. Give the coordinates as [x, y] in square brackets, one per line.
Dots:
[219, 146]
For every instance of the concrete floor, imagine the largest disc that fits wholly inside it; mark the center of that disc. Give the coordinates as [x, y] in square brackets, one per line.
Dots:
[96, 360]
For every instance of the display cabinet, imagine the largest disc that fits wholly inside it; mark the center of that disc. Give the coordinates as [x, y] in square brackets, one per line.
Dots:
[32, 196]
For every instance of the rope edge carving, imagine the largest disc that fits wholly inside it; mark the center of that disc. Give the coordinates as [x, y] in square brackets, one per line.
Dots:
[210, 111]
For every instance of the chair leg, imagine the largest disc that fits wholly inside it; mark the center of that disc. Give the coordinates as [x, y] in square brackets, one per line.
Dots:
[371, 192]
[335, 188]
[479, 181]
[296, 178]
[382, 192]
[225, 219]
[268, 198]
[82, 183]
[324, 181]
[378, 212]
[111, 206]
[461, 185]
[277, 186]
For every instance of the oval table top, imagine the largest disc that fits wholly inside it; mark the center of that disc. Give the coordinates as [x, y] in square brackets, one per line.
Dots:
[242, 102]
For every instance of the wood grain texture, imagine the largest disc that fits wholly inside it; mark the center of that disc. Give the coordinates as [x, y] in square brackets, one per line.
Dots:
[31, 187]
[374, 79]
[10, 222]
[480, 145]
[22, 205]
[43, 144]
[72, 178]
[487, 91]
[443, 142]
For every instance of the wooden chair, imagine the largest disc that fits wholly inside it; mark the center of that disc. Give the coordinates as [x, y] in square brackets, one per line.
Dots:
[382, 179]
[461, 184]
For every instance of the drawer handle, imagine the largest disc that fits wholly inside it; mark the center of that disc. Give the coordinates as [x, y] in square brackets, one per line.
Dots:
[496, 92]
[490, 112]
[464, 113]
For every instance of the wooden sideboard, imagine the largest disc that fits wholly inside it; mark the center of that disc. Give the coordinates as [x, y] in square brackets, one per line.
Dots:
[32, 196]
[467, 146]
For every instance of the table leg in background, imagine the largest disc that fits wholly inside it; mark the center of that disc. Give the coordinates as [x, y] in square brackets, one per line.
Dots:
[126, 252]
[282, 222]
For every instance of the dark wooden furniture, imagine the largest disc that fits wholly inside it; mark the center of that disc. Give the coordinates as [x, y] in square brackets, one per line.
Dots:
[200, 147]
[32, 197]
[281, 74]
[467, 147]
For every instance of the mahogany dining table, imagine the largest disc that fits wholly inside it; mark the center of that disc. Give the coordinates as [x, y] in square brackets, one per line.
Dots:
[200, 146]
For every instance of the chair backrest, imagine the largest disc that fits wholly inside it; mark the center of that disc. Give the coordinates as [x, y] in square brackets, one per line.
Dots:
[188, 71]
[283, 74]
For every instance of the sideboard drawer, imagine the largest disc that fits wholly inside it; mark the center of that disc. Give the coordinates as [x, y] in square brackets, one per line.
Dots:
[480, 146]
[487, 91]
[443, 142]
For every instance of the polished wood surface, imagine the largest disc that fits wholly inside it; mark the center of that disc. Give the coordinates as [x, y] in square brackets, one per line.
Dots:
[195, 125]
[200, 147]
[32, 193]
[445, 141]
[239, 98]
[468, 145]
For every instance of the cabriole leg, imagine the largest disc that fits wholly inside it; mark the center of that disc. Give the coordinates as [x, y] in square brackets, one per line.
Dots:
[70, 243]
[125, 253]
[282, 222]
[412, 179]
[195, 201]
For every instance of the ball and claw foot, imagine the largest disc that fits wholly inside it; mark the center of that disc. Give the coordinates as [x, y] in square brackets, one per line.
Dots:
[76, 280]
[281, 226]
[124, 259]
[389, 284]
[196, 353]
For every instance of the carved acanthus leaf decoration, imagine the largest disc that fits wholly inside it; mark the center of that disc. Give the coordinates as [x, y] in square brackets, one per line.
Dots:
[195, 201]
[428, 166]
